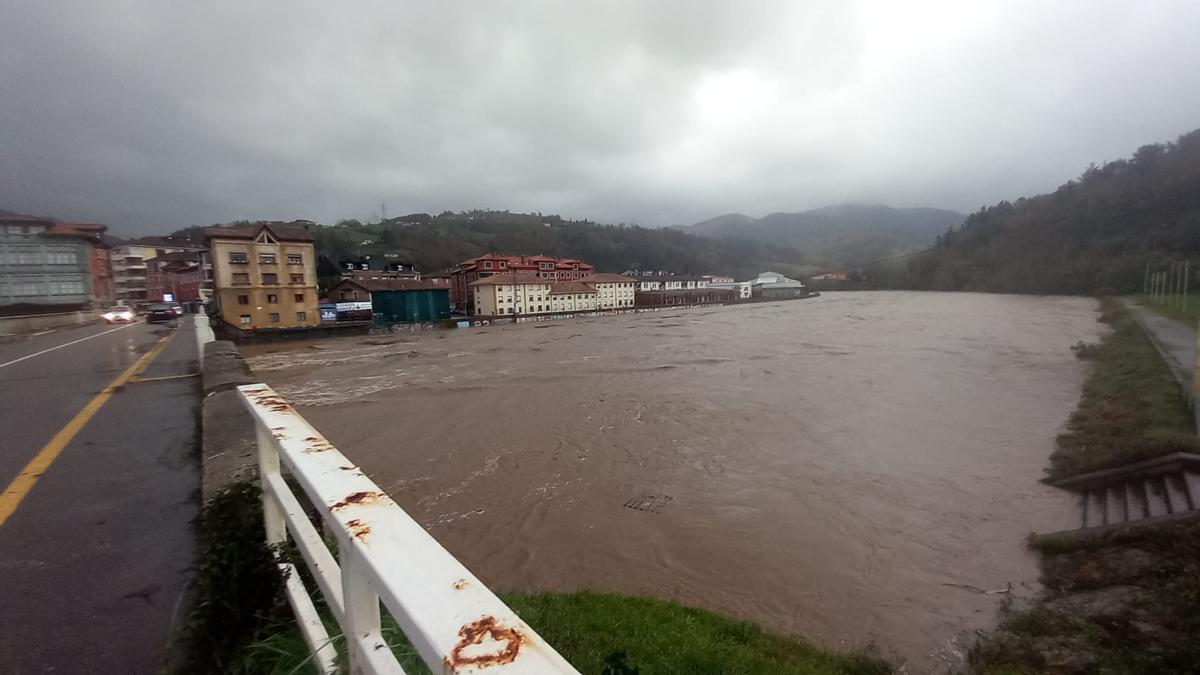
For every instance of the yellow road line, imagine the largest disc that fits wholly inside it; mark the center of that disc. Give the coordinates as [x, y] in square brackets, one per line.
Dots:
[24, 482]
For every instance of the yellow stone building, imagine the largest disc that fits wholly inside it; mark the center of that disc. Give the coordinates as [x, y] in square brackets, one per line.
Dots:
[265, 275]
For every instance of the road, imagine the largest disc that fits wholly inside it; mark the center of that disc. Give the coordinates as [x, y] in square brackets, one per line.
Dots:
[100, 483]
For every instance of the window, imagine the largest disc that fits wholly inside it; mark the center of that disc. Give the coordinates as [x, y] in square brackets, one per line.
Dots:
[295, 259]
[272, 299]
[242, 278]
[236, 257]
[270, 279]
[245, 319]
[301, 316]
[274, 317]
[296, 278]
[487, 264]
[243, 299]
[266, 258]
[299, 297]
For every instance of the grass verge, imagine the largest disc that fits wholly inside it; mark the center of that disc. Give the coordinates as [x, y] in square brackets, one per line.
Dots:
[1131, 408]
[1173, 308]
[604, 633]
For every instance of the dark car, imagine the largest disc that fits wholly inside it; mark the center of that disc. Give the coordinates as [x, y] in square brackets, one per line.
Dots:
[160, 312]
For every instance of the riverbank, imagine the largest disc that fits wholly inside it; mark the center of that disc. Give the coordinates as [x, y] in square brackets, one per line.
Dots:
[1127, 601]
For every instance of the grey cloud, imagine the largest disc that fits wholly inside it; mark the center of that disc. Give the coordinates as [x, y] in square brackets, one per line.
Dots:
[151, 115]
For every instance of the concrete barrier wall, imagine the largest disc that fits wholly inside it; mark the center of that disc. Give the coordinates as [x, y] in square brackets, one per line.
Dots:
[31, 323]
[228, 443]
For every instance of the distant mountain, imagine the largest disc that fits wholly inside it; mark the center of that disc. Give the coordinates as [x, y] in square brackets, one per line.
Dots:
[1099, 233]
[722, 226]
[838, 235]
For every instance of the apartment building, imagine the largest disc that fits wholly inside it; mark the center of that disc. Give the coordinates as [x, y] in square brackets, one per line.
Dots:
[511, 293]
[46, 262]
[613, 291]
[467, 272]
[573, 296]
[130, 270]
[265, 275]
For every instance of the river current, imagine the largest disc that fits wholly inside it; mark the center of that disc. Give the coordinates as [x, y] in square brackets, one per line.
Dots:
[841, 467]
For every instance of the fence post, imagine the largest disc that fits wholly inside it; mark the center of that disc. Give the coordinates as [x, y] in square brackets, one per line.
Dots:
[361, 606]
[268, 465]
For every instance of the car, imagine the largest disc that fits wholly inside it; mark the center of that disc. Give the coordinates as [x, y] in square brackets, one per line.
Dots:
[119, 314]
[160, 312]
[178, 308]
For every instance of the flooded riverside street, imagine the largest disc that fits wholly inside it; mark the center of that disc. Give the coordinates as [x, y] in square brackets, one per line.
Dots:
[826, 467]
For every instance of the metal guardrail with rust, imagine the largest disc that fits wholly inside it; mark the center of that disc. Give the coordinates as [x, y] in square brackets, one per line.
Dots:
[455, 624]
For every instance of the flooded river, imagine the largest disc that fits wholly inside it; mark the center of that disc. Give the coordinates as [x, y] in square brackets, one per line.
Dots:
[824, 467]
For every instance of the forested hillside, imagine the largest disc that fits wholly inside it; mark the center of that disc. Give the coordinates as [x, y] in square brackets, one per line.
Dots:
[437, 242]
[842, 235]
[1095, 234]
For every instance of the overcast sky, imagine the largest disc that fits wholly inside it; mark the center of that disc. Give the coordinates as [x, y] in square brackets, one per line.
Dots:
[154, 115]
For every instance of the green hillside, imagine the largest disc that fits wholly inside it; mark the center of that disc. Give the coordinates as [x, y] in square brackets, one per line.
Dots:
[1095, 234]
[437, 242]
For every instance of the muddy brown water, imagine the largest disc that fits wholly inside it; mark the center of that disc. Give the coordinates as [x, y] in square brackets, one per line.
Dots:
[823, 467]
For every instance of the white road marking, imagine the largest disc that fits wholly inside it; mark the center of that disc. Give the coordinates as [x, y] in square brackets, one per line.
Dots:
[68, 344]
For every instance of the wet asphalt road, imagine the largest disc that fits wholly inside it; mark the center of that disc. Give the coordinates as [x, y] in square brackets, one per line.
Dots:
[94, 559]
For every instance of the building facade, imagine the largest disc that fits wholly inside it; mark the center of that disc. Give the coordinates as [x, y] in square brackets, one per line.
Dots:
[177, 276]
[265, 276]
[395, 300]
[613, 291]
[44, 263]
[130, 270]
[550, 268]
[573, 296]
[511, 293]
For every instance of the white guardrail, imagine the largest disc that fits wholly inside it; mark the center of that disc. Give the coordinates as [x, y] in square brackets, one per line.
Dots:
[453, 621]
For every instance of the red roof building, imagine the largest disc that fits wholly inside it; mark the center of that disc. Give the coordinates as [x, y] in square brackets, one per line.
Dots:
[551, 268]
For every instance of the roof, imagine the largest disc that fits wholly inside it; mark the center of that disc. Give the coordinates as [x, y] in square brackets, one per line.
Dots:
[398, 285]
[165, 242]
[374, 285]
[525, 261]
[607, 278]
[563, 287]
[297, 230]
[509, 278]
[176, 256]
[10, 217]
[93, 232]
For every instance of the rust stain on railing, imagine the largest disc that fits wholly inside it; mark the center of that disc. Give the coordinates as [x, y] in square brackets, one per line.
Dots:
[357, 498]
[473, 634]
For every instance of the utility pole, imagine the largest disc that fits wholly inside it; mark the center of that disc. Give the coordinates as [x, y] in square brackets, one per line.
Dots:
[1146, 282]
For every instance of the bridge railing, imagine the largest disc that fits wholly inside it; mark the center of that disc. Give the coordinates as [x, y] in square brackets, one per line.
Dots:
[455, 624]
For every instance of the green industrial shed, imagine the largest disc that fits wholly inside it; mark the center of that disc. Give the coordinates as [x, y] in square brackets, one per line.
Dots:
[396, 300]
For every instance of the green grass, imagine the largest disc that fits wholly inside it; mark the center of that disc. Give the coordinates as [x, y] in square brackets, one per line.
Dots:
[657, 636]
[1172, 308]
[1131, 408]
[1155, 633]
